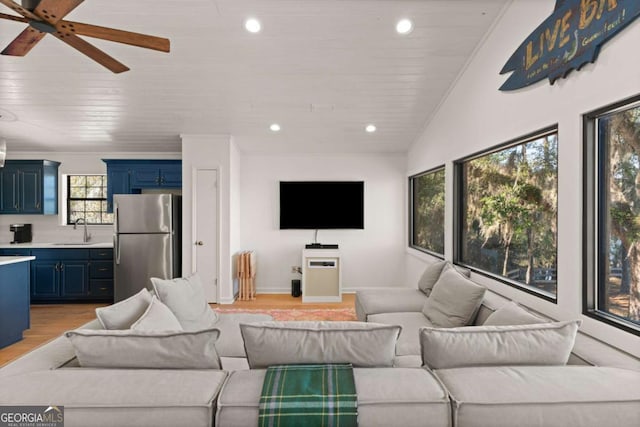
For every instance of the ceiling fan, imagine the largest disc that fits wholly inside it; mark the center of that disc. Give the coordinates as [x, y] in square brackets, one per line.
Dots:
[45, 17]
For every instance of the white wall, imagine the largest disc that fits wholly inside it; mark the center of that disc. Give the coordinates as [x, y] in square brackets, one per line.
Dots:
[476, 115]
[371, 257]
[49, 228]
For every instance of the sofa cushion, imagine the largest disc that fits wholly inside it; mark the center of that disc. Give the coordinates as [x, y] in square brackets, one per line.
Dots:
[430, 276]
[543, 396]
[185, 297]
[462, 270]
[120, 397]
[408, 342]
[230, 343]
[123, 314]
[144, 349]
[158, 317]
[454, 300]
[388, 300]
[386, 397]
[408, 361]
[512, 314]
[279, 343]
[539, 344]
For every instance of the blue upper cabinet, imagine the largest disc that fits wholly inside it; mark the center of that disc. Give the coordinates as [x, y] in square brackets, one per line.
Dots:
[133, 176]
[145, 176]
[157, 174]
[29, 187]
[118, 182]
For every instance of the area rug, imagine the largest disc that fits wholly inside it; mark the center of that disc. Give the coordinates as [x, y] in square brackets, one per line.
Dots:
[335, 314]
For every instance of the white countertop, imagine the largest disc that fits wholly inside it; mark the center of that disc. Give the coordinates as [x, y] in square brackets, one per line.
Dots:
[4, 260]
[57, 245]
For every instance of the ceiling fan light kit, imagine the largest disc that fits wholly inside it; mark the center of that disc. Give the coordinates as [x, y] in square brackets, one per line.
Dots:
[45, 17]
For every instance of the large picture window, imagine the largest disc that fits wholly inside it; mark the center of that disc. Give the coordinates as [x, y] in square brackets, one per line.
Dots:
[87, 199]
[507, 204]
[613, 207]
[427, 211]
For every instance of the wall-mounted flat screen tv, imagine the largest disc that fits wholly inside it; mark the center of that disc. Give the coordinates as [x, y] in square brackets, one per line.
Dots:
[314, 205]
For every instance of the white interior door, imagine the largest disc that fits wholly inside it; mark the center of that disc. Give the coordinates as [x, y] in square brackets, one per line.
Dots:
[205, 230]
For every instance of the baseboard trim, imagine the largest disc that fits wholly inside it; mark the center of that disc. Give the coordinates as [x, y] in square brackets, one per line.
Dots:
[278, 291]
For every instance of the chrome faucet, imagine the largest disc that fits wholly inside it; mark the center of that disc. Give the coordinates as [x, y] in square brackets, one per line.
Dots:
[86, 236]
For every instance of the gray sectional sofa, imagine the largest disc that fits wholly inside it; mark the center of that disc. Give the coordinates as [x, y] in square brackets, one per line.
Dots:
[392, 389]
[591, 389]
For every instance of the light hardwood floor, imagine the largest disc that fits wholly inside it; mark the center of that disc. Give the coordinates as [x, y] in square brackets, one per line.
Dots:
[49, 321]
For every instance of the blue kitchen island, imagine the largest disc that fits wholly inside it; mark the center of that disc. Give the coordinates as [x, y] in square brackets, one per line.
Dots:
[14, 298]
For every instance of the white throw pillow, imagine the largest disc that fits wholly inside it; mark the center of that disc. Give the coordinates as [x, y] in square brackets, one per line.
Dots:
[512, 314]
[539, 344]
[462, 270]
[454, 300]
[145, 350]
[158, 317]
[185, 298]
[280, 343]
[123, 314]
[430, 276]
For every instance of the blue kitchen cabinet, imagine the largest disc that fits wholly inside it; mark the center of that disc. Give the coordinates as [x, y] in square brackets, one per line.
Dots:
[14, 252]
[29, 187]
[145, 176]
[45, 279]
[171, 175]
[157, 174]
[14, 302]
[9, 189]
[131, 176]
[101, 274]
[59, 274]
[118, 182]
[74, 279]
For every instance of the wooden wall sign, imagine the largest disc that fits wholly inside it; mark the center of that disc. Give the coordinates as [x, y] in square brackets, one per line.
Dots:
[568, 39]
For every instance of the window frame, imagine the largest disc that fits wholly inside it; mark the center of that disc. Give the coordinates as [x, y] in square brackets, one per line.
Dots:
[593, 229]
[69, 199]
[458, 193]
[411, 215]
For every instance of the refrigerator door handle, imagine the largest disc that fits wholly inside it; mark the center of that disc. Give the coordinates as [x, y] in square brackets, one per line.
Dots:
[116, 238]
[116, 249]
[116, 218]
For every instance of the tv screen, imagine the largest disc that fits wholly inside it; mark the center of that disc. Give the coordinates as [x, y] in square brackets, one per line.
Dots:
[321, 205]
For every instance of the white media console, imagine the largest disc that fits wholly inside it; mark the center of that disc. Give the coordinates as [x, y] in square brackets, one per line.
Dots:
[321, 275]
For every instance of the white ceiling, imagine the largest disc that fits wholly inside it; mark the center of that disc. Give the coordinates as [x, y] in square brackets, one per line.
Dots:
[322, 69]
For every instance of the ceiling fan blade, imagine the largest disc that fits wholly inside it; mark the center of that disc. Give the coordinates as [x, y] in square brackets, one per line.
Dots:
[53, 11]
[21, 10]
[92, 52]
[25, 41]
[14, 18]
[119, 36]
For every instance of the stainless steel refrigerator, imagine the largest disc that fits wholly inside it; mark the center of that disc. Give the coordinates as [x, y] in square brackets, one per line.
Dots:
[146, 240]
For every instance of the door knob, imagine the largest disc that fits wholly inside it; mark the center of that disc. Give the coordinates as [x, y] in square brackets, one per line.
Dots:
[200, 243]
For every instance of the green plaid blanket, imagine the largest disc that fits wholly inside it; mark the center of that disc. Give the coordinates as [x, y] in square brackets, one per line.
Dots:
[309, 395]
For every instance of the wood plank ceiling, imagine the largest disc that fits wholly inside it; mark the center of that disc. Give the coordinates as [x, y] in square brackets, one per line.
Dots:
[322, 69]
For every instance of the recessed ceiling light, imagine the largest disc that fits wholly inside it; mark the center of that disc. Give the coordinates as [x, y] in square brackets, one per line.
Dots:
[275, 127]
[370, 128]
[404, 26]
[252, 25]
